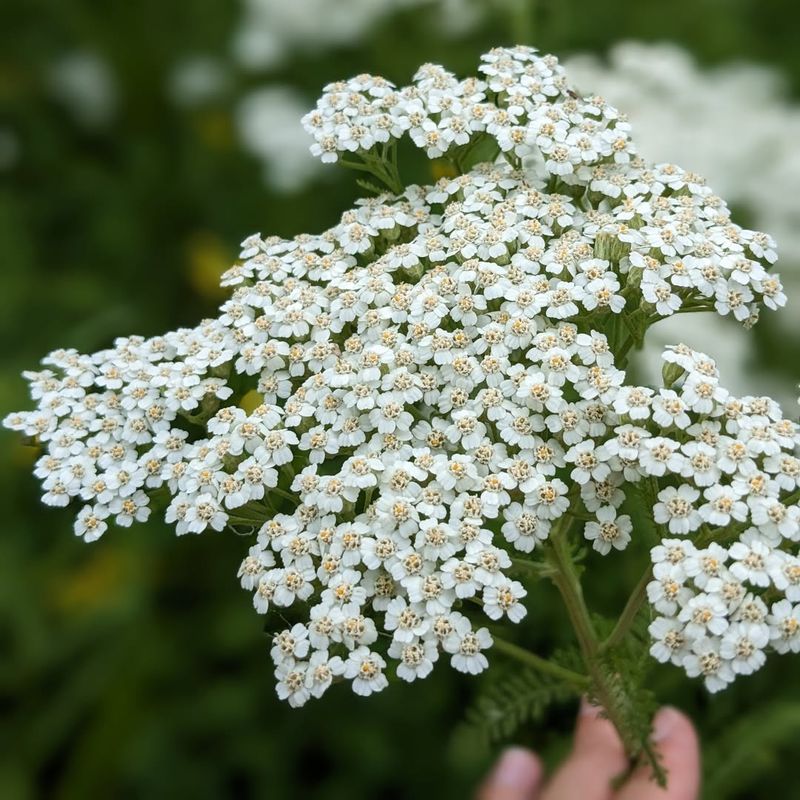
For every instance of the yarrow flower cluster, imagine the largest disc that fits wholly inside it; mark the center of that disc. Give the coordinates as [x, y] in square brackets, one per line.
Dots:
[402, 406]
[661, 87]
[523, 103]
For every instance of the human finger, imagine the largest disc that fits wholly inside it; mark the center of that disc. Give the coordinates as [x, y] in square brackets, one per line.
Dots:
[675, 739]
[517, 775]
[597, 757]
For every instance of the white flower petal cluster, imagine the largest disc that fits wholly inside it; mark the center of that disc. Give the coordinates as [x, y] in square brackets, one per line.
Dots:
[729, 588]
[437, 388]
[683, 112]
[522, 102]
[661, 86]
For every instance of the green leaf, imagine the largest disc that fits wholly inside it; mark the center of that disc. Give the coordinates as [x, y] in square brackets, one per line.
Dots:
[625, 669]
[511, 699]
[370, 187]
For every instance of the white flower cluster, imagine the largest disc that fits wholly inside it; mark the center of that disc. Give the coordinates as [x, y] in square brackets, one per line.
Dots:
[732, 587]
[439, 385]
[272, 31]
[683, 112]
[523, 103]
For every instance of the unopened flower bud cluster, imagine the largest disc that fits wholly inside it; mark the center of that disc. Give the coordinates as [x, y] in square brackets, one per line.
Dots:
[440, 384]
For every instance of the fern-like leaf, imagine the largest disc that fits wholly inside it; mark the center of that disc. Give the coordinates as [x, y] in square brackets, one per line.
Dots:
[511, 700]
[370, 187]
[625, 670]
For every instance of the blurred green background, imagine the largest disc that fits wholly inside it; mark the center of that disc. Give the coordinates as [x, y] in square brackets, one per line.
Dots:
[135, 667]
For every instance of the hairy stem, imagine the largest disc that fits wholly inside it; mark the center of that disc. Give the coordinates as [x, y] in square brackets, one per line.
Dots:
[601, 688]
[566, 580]
[537, 568]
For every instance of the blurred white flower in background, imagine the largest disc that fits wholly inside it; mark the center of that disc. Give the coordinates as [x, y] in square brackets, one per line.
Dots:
[84, 84]
[271, 29]
[267, 120]
[268, 124]
[735, 126]
[198, 79]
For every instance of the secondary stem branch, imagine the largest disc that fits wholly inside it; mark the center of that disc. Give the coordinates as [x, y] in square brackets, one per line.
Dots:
[601, 685]
[567, 583]
[541, 664]
[628, 615]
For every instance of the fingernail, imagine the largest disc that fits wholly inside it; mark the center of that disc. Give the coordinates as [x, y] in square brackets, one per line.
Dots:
[517, 767]
[587, 709]
[664, 723]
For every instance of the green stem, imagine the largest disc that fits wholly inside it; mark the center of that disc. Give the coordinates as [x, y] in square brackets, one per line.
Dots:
[244, 519]
[601, 687]
[282, 493]
[538, 568]
[566, 580]
[628, 615]
[254, 513]
[542, 665]
[791, 498]
[355, 165]
[384, 172]
[622, 352]
[695, 310]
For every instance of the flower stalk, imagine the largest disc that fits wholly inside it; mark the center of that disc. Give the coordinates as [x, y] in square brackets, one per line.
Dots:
[604, 689]
[629, 612]
[530, 659]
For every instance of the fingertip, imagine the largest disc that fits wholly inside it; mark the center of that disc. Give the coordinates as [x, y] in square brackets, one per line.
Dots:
[516, 776]
[677, 746]
[597, 757]
[594, 731]
[672, 724]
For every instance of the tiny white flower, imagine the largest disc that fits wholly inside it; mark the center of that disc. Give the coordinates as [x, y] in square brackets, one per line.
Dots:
[504, 599]
[676, 509]
[784, 627]
[365, 669]
[705, 660]
[609, 531]
[669, 641]
[466, 645]
[703, 614]
[416, 658]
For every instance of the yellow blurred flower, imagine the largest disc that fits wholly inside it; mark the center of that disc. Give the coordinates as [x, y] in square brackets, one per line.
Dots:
[206, 260]
[96, 582]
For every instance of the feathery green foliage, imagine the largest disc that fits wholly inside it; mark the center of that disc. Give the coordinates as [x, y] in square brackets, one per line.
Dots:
[509, 699]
